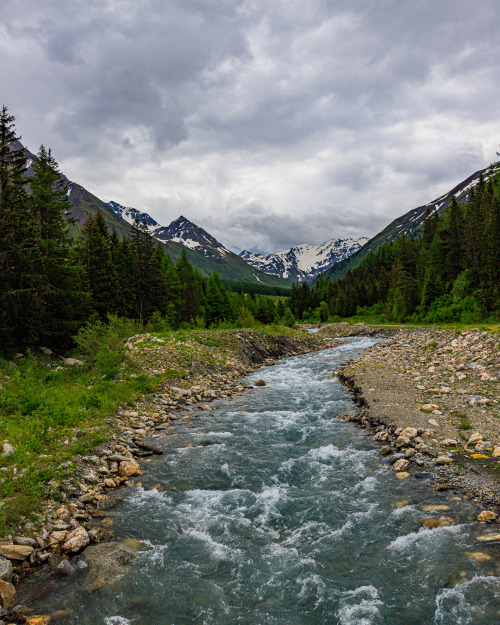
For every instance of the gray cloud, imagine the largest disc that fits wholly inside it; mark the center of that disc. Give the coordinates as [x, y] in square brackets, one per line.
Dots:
[269, 124]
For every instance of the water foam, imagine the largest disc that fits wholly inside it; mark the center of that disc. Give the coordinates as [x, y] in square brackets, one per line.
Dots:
[116, 620]
[360, 606]
[452, 605]
[424, 534]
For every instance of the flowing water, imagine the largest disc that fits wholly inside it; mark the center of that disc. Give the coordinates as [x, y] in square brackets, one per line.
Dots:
[288, 517]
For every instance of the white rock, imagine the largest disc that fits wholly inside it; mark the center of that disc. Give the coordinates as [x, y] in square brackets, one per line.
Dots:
[72, 361]
[401, 465]
[443, 460]
[475, 438]
[410, 432]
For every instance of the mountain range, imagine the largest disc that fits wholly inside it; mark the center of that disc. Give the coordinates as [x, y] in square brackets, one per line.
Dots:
[302, 263]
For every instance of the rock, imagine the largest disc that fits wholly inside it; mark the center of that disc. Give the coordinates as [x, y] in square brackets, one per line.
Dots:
[396, 457]
[425, 475]
[65, 568]
[441, 460]
[409, 452]
[381, 436]
[475, 438]
[107, 562]
[8, 595]
[26, 541]
[386, 451]
[432, 422]
[72, 362]
[76, 540]
[477, 555]
[449, 442]
[487, 538]
[410, 432]
[496, 453]
[432, 523]
[38, 620]
[487, 516]
[260, 383]
[5, 570]
[7, 449]
[429, 407]
[57, 537]
[435, 508]
[46, 350]
[401, 475]
[484, 446]
[129, 468]
[402, 441]
[134, 544]
[401, 465]
[15, 552]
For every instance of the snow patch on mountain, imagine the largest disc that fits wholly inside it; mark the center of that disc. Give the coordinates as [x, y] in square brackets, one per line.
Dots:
[302, 263]
[130, 214]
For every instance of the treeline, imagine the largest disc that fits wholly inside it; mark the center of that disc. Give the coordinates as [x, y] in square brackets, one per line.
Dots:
[50, 284]
[257, 289]
[450, 273]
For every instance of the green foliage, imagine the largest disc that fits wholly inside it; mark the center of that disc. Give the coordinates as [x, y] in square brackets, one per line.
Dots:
[96, 335]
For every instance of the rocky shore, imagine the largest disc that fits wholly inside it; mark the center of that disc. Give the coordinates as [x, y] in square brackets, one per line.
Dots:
[210, 366]
[431, 399]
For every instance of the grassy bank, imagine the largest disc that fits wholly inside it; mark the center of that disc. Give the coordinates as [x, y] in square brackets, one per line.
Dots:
[51, 411]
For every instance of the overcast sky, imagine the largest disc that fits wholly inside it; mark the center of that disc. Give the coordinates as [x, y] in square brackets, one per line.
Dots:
[268, 123]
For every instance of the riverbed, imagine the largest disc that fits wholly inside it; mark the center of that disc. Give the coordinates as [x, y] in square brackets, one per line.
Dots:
[270, 511]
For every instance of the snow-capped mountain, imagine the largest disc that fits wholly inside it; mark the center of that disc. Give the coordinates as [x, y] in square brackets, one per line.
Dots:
[302, 263]
[190, 235]
[130, 214]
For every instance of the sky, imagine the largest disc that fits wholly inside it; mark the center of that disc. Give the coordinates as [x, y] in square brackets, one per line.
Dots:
[269, 124]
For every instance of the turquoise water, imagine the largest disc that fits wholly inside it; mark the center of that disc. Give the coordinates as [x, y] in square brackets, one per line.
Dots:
[288, 517]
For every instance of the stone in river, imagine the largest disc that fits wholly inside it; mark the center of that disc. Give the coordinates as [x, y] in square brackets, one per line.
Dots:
[431, 523]
[260, 383]
[108, 562]
[477, 555]
[487, 516]
[65, 568]
[401, 475]
[386, 451]
[15, 552]
[39, 620]
[8, 595]
[425, 475]
[435, 508]
[487, 538]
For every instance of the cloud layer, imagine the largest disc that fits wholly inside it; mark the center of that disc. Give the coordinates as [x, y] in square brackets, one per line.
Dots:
[267, 125]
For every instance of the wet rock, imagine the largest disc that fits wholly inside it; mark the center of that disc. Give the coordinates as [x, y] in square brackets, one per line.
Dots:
[487, 516]
[15, 552]
[435, 508]
[76, 540]
[433, 523]
[401, 475]
[107, 562]
[65, 568]
[5, 569]
[260, 383]
[8, 595]
[39, 620]
[395, 457]
[425, 475]
[386, 451]
[478, 555]
[488, 538]
[129, 468]
[401, 465]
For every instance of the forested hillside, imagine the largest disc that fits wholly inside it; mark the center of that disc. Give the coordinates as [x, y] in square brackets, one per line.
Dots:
[449, 273]
[52, 284]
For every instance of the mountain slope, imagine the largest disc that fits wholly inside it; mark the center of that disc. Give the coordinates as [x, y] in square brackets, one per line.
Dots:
[302, 263]
[202, 249]
[409, 223]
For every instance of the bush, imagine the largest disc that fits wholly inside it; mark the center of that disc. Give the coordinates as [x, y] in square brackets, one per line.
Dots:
[96, 335]
[245, 318]
[157, 323]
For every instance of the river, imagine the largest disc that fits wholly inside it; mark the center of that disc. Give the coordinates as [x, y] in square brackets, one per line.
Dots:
[286, 516]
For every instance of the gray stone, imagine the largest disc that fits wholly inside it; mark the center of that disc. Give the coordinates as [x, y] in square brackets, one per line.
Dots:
[26, 541]
[65, 568]
[394, 458]
[107, 563]
[5, 569]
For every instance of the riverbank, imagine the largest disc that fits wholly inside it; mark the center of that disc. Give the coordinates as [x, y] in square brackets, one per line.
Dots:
[188, 371]
[431, 398]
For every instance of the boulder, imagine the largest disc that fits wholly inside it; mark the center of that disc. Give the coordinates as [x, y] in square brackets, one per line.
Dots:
[496, 453]
[449, 442]
[107, 562]
[76, 540]
[260, 383]
[487, 516]
[386, 451]
[15, 552]
[65, 568]
[402, 441]
[72, 362]
[26, 541]
[8, 595]
[487, 538]
[129, 468]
